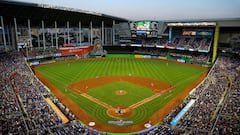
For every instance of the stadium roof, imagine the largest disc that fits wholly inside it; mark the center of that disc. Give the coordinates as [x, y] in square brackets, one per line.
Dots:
[38, 12]
[221, 22]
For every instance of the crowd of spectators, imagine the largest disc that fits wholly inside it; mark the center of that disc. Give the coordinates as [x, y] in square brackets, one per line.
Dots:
[229, 116]
[160, 130]
[205, 44]
[200, 58]
[39, 114]
[39, 53]
[12, 119]
[201, 115]
[24, 110]
[191, 43]
[200, 44]
[195, 58]
[150, 51]
[23, 107]
[154, 42]
[216, 110]
[149, 43]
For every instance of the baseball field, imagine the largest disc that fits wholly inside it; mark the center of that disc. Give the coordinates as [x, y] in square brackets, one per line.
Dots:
[120, 94]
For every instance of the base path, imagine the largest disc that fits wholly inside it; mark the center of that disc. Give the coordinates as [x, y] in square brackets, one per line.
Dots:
[96, 100]
[85, 85]
[158, 87]
[151, 97]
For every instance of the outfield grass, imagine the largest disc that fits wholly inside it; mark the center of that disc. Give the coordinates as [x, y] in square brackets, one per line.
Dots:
[65, 73]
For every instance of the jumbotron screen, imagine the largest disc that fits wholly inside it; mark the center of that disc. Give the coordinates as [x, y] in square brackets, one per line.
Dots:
[144, 25]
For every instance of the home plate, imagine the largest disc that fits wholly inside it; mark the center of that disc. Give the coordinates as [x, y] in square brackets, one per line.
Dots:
[147, 125]
[91, 124]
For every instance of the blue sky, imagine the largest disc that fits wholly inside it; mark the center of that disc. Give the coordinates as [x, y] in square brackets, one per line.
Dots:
[154, 9]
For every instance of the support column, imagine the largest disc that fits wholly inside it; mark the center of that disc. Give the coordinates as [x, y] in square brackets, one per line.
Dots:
[215, 43]
[8, 35]
[3, 32]
[44, 43]
[106, 36]
[80, 32]
[170, 35]
[13, 39]
[113, 33]
[38, 38]
[91, 34]
[64, 36]
[16, 32]
[56, 38]
[29, 33]
[68, 38]
[102, 38]
[51, 39]
[76, 36]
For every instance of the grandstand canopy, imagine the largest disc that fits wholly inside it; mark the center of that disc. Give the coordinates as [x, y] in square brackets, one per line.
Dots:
[38, 12]
[227, 22]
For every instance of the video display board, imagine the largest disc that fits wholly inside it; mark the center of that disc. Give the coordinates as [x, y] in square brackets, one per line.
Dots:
[146, 28]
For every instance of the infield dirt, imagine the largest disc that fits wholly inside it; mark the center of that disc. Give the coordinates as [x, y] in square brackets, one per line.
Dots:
[86, 118]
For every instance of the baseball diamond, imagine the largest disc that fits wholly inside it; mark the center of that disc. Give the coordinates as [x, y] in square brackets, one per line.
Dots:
[74, 70]
[134, 91]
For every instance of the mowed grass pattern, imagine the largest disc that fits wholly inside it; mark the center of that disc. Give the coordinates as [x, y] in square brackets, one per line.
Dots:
[106, 93]
[65, 73]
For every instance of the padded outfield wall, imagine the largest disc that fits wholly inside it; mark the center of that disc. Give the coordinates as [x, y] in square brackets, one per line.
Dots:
[53, 78]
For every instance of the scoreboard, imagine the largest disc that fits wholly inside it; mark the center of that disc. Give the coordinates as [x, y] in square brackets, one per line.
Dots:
[144, 28]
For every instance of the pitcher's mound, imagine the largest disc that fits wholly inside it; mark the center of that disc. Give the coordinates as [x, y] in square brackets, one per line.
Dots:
[120, 112]
[120, 92]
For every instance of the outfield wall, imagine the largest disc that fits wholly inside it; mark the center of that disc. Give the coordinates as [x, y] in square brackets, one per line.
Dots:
[137, 56]
[149, 56]
[124, 60]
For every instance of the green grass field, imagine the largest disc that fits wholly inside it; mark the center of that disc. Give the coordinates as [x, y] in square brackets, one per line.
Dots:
[107, 94]
[65, 73]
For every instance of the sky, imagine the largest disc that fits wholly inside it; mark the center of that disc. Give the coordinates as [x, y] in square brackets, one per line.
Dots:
[154, 9]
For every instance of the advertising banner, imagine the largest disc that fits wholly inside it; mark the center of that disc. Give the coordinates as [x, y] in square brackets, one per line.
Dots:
[80, 51]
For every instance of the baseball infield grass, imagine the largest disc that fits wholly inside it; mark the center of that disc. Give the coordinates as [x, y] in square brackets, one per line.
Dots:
[64, 73]
[106, 93]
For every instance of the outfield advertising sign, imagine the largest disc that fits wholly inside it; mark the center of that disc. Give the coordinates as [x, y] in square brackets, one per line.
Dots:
[80, 51]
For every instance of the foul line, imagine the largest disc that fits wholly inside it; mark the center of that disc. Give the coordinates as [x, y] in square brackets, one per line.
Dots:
[96, 100]
[133, 106]
[150, 98]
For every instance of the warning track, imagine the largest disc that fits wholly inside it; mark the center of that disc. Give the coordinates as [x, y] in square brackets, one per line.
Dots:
[80, 88]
